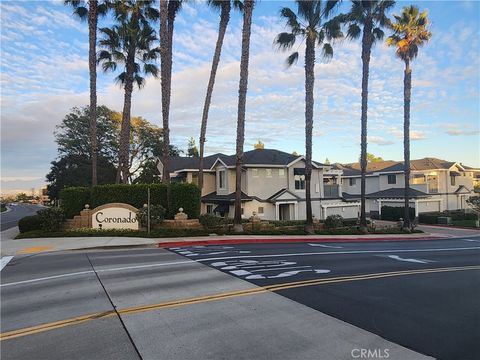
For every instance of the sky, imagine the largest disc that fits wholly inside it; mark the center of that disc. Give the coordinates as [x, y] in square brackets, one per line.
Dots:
[44, 73]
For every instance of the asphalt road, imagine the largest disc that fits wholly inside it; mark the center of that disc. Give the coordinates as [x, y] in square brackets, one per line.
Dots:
[10, 219]
[261, 301]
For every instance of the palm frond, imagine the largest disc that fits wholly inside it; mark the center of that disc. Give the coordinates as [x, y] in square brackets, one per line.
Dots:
[291, 18]
[327, 51]
[150, 69]
[292, 59]
[140, 81]
[285, 41]
[353, 31]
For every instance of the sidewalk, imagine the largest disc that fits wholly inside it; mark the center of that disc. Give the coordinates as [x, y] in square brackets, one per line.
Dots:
[11, 246]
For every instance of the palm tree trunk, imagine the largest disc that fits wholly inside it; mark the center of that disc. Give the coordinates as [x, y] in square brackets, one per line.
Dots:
[407, 90]
[309, 102]
[242, 99]
[366, 51]
[92, 66]
[165, 84]
[124, 151]
[224, 19]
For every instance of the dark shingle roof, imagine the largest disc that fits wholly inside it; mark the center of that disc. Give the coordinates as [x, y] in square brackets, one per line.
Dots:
[396, 193]
[390, 165]
[253, 157]
[230, 198]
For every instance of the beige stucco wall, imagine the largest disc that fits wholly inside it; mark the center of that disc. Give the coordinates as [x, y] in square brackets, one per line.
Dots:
[262, 186]
[371, 185]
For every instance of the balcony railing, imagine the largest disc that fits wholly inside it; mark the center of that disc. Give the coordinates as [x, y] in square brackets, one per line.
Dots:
[330, 191]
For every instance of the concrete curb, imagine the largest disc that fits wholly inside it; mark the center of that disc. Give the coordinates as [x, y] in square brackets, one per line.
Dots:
[167, 244]
[450, 227]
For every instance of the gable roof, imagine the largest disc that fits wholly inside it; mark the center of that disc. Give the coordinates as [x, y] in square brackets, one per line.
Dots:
[427, 163]
[230, 198]
[280, 193]
[252, 157]
[397, 193]
[177, 163]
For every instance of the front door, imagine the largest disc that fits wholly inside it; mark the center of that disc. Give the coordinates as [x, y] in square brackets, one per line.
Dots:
[284, 211]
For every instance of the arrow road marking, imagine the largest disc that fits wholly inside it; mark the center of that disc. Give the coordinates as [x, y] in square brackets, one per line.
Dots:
[396, 257]
[326, 246]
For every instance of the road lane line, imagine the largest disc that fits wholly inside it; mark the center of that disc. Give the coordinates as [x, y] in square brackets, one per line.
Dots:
[337, 253]
[189, 262]
[221, 296]
[4, 261]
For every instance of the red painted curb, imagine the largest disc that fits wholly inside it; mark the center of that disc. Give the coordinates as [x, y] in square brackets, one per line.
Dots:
[287, 240]
[451, 227]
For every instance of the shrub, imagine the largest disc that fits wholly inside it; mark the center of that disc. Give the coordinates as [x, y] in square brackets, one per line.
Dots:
[186, 196]
[52, 219]
[333, 221]
[210, 221]
[73, 200]
[30, 223]
[279, 223]
[428, 218]
[394, 213]
[157, 215]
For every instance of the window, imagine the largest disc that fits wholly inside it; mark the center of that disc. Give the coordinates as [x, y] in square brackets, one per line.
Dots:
[299, 176]
[242, 210]
[452, 180]
[281, 172]
[392, 179]
[417, 179]
[269, 172]
[352, 181]
[209, 209]
[260, 210]
[255, 172]
[222, 179]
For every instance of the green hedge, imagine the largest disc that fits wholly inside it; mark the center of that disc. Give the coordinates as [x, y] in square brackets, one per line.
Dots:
[456, 215]
[73, 200]
[182, 195]
[393, 213]
[30, 223]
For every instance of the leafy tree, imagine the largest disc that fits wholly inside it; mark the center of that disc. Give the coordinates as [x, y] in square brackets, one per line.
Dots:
[366, 18]
[309, 24]
[371, 158]
[224, 6]
[130, 43]
[91, 13]
[474, 203]
[410, 33]
[168, 12]
[72, 135]
[259, 145]
[72, 170]
[327, 162]
[23, 197]
[242, 100]
[149, 173]
[73, 140]
[192, 150]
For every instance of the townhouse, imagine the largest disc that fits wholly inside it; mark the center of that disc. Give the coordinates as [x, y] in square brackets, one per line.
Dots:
[435, 184]
[273, 185]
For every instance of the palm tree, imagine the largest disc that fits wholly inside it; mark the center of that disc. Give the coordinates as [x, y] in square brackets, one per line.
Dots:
[129, 42]
[410, 33]
[168, 12]
[242, 100]
[366, 18]
[309, 25]
[91, 13]
[225, 7]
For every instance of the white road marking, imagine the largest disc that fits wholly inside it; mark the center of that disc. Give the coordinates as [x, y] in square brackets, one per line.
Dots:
[396, 257]
[326, 246]
[338, 253]
[98, 270]
[240, 272]
[289, 268]
[4, 261]
[471, 240]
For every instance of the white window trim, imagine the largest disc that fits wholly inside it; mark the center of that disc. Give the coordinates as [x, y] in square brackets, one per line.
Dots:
[225, 180]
